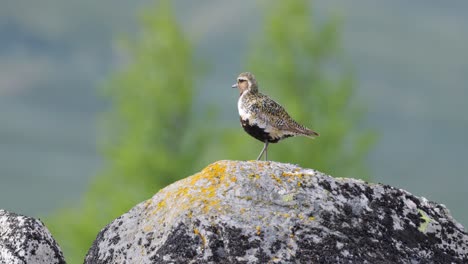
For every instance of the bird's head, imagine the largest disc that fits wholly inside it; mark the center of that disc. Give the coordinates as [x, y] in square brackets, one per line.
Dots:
[246, 83]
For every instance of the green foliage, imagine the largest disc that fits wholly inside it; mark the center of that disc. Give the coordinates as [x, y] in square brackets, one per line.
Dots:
[150, 132]
[297, 62]
[152, 138]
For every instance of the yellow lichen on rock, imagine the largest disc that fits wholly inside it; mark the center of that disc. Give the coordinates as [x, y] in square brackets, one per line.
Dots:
[202, 237]
[253, 176]
[425, 221]
[292, 174]
[161, 204]
[148, 203]
[197, 191]
[277, 179]
[259, 230]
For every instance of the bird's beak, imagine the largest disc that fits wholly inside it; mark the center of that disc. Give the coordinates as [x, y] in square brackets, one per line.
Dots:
[234, 85]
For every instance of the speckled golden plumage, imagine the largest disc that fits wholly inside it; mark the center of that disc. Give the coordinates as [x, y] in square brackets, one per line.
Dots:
[262, 117]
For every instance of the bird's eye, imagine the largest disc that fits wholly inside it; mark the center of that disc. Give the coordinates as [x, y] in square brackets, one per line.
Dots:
[241, 80]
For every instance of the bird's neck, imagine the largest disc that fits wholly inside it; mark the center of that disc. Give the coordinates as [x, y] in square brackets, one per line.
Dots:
[248, 92]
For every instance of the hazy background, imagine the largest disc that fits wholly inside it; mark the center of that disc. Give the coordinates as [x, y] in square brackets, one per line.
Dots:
[410, 60]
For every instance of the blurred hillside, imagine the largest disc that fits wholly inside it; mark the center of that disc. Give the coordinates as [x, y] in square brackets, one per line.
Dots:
[410, 60]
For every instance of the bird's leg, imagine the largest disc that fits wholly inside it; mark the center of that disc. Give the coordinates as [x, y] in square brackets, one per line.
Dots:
[263, 150]
[266, 150]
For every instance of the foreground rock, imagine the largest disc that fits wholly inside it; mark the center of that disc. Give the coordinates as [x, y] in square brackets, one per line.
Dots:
[268, 212]
[25, 240]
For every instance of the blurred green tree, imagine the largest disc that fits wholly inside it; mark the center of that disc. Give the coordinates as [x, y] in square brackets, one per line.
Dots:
[299, 63]
[151, 138]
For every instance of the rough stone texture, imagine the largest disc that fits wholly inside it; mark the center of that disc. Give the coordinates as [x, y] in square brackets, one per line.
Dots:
[268, 212]
[25, 240]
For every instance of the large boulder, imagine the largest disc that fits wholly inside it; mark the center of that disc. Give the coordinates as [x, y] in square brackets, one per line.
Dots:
[269, 212]
[25, 240]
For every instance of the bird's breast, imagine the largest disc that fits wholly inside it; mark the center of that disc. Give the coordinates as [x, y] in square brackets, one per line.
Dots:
[243, 108]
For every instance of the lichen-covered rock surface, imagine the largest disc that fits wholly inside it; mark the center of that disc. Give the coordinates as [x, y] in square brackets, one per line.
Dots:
[25, 240]
[269, 212]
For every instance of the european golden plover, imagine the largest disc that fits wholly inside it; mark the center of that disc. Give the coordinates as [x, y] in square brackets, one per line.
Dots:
[263, 118]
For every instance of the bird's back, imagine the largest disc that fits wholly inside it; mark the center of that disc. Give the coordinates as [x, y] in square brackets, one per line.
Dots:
[264, 112]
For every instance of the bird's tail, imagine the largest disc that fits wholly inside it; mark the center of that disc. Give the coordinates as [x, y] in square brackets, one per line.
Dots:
[310, 133]
[304, 131]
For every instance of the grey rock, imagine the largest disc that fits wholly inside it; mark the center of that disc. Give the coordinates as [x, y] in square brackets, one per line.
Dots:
[269, 212]
[25, 240]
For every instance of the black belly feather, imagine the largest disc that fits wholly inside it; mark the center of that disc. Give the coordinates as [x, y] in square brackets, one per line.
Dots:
[259, 133]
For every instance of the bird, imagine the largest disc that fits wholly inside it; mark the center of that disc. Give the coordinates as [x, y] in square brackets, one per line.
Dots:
[262, 117]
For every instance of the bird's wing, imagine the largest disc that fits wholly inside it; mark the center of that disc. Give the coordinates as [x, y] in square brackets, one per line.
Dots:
[273, 114]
